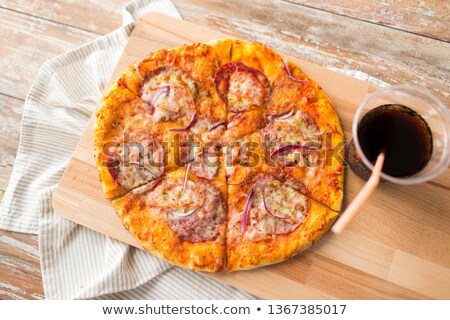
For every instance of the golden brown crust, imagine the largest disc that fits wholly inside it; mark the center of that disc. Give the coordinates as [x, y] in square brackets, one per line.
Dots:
[258, 56]
[147, 224]
[114, 118]
[225, 111]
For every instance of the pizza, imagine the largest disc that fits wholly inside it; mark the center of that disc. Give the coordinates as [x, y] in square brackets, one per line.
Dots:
[220, 155]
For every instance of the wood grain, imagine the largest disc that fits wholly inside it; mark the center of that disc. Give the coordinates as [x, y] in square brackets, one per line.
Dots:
[398, 226]
[28, 42]
[429, 18]
[19, 264]
[10, 117]
[82, 15]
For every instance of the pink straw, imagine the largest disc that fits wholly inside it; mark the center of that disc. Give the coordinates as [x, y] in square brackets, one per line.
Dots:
[362, 196]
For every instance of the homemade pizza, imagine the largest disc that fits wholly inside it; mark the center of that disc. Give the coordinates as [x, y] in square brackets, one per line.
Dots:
[220, 154]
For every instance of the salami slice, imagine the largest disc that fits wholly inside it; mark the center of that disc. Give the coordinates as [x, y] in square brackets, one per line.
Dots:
[170, 94]
[275, 209]
[291, 135]
[241, 86]
[194, 211]
[135, 160]
[206, 165]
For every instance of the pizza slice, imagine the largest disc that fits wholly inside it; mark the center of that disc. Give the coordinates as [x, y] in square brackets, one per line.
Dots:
[293, 90]
[127, 146]
[299, 151]
[180, 218]
[294, 150]
[269, 221]
[244, 88]
[179, 85]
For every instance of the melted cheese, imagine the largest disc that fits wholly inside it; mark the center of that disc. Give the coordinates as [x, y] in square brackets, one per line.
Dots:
[201, 129]
[244, 89]
[174, 102]
[283, 202]
[171, 195]
[138, 165]
[299, 129]
[204, 201]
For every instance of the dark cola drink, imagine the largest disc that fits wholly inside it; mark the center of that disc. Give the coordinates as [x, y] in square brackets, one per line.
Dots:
[401, 133]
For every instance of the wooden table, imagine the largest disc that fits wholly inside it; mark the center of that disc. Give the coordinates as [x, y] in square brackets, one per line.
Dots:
[402, 43]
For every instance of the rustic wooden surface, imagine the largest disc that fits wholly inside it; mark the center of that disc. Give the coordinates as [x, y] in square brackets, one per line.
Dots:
[398, 41]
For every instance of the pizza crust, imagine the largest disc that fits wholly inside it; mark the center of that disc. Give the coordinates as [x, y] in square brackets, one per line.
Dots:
[148, 225]
[120, 112]
[245, 253]
[249, 255]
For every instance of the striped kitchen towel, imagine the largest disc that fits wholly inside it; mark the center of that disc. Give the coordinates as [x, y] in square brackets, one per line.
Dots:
[78, 263]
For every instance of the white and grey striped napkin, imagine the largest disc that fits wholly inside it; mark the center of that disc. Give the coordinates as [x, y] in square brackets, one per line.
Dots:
[78, 263]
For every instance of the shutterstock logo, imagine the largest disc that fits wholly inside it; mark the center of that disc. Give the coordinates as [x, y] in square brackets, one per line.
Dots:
[184, 149]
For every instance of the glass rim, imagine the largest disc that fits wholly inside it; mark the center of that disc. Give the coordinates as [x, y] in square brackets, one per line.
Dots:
[444, 160]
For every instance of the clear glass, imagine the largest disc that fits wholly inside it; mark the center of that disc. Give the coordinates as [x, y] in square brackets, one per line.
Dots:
[430, 108]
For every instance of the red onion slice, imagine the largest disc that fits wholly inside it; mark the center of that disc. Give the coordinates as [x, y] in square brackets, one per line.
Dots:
[247, 207]
[267, 209]
[136, 165]
[214, 127]
[234, 116]
[288, 73]
[182, 214]
[193, 119]
[291, 147]
[136, 67]
[150, 107]
[286, 116]
[136, 159]
[186, 176]
[162, 90]
[238, 183]
[225, 71]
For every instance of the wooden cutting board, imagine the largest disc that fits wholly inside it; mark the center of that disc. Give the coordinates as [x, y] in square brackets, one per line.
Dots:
[398, 247]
